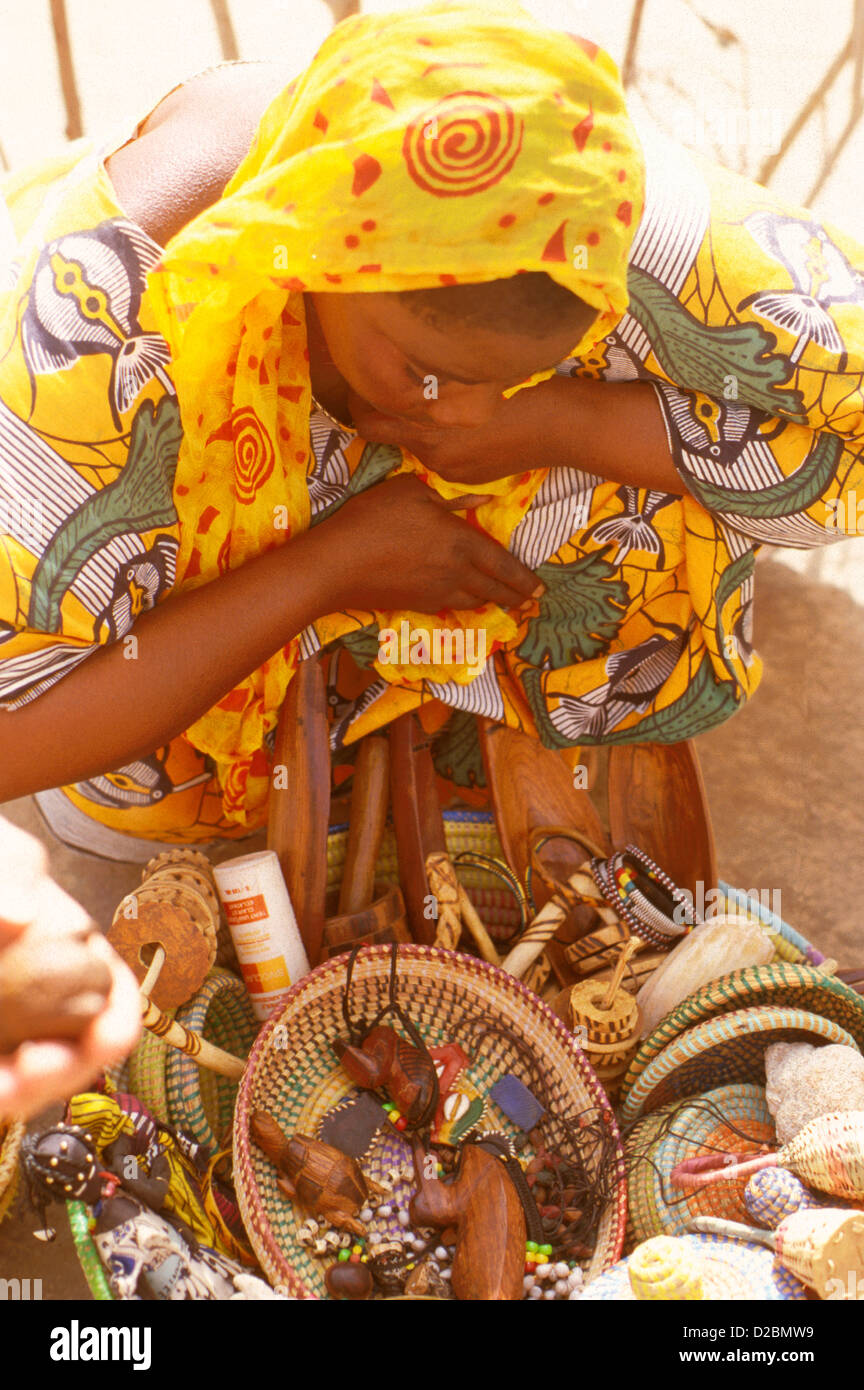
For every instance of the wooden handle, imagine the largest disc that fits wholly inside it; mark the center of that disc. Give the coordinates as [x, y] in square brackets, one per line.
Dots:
[300, 800]
[204, 1052]
[531, 786]
[369, 799]
[417, 819]
[657, 801]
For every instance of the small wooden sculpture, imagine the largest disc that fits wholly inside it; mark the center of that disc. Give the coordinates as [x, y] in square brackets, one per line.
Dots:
[481, 1204]
[406, 1074]
[323, 1180]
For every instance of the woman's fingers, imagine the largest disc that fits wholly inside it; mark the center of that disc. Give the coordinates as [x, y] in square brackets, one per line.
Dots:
[38, 1074]
[113, 1034]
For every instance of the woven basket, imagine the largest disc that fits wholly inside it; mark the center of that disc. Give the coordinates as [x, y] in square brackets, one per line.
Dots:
[465, 832]
[655, 1208]
[293, 1074]
[10, 1148]
[721, 1050]
[200, 1101]
[798, 986]
[731, 1271]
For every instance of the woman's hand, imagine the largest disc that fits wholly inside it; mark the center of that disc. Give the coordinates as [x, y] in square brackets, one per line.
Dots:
[520, 435]
[40, 1072]
[400, 546]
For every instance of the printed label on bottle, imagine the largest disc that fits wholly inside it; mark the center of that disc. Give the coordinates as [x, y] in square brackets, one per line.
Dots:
[265, 976]
[245, 910]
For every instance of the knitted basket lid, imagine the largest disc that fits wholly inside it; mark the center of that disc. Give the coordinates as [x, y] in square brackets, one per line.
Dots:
[735, 1118]
[728, 1269]
[292, 1074]
[798, 986]
[718, 1051]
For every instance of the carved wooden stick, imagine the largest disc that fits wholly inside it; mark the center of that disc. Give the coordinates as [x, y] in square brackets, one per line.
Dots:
[192, 1044]
[369, 799]
[455, 909]
[550, 917]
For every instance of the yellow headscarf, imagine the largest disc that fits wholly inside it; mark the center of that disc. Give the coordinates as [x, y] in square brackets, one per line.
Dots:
[449, 144]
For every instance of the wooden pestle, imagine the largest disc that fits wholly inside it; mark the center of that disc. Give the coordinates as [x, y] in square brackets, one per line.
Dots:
[417, 819]
[299, 812]
[369, 799]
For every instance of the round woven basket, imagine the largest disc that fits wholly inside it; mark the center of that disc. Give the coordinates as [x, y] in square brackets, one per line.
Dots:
[292, 1073]
[798, 986]
[721, 1050]
[679, 1131]
[10, 1148]
[200, 1101]
[732, 1270]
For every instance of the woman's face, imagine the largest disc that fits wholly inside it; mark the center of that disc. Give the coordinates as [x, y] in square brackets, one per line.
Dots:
[401, 366]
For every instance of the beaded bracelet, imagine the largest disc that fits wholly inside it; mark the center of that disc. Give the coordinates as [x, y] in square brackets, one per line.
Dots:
[618, 880]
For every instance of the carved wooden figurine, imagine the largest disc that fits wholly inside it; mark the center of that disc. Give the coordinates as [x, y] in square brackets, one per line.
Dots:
[481, 1204]
[322, 1179]
[407, 1074]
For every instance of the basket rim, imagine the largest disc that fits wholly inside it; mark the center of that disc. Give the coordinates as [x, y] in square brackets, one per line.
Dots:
[455, 960]
[759, 1018]
[730, 992]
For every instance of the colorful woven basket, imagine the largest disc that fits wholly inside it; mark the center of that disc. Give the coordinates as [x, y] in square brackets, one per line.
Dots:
[721, 1050]
[730, 1270]
[799, 986]
[200, 1101]
[293, 1074]
[731, 1118]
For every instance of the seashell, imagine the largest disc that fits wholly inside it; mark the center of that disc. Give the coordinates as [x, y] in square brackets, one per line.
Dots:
[456, 1105]
[804, 1082]
[713, 949]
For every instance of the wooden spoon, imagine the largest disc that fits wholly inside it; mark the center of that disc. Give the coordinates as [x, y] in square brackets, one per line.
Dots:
[657, 801]
[299, 811]
[369, 800]
[417, 818]
[532, 788]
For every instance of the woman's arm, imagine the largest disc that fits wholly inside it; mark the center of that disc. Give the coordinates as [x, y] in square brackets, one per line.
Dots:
[613, 429]
[396, 546]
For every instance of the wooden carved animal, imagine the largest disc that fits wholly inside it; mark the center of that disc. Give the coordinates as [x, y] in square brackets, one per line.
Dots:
[481, 1204]
[406, 1074]
[322, 1179]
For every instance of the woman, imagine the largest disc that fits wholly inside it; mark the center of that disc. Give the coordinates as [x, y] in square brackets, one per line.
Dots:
[446, 278]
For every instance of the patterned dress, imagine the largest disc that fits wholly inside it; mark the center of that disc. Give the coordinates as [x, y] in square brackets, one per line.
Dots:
[744, 314]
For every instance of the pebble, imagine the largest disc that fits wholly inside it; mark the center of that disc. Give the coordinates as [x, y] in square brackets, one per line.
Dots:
[441, 1253]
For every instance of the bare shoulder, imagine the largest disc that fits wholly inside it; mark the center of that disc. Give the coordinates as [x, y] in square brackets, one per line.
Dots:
[192, 143]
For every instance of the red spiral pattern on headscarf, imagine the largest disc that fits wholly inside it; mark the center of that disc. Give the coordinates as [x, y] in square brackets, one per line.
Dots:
[253, 454]
[463, 144]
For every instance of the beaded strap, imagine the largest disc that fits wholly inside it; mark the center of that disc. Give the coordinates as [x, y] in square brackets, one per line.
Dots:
[88, 1256]
[615, 879]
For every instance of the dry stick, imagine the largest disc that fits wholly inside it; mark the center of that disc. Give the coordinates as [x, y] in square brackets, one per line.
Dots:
[174, 1033]
[618, 973]
[471, 918]
[455, 908]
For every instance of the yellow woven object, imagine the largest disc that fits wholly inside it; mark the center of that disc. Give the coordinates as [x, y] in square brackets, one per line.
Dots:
[664, 1269]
